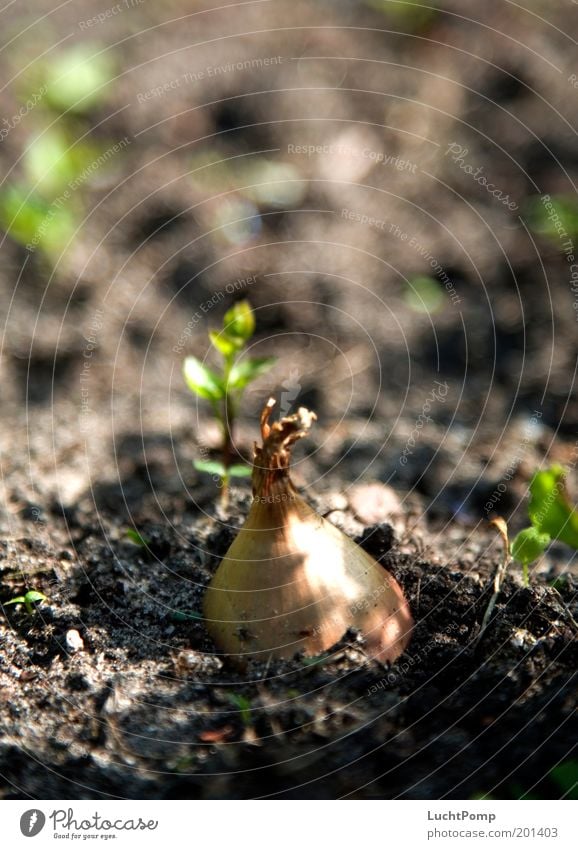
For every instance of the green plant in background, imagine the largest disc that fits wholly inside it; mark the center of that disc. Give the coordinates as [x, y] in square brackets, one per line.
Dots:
[54, 160]
[42, 209]
[414, 17]
[32, 221]
[136, 538]
[224, 389]
[244, 187]
[552, 516]
[527, 546]
[554, 219]
[76, 79]
[565, 776]
[244, 706]
[29, 600]
[424, 294]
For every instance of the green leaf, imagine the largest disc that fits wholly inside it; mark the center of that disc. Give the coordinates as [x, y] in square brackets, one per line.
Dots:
[550, 509]
[239, 321]
[54, 161]
[225, 345]
[210, 467]
[413, 16]
[424, 294]
[34, 222]
[240, 470]
[565, 775]
[245, 371]
[31, 597]
[545, 217]
[214, 467]
[528, 545]
[76, 78]
[202, 381]
[244, 705]
[134, 536]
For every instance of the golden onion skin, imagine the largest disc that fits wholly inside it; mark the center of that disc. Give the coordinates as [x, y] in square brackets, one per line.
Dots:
[293, 582]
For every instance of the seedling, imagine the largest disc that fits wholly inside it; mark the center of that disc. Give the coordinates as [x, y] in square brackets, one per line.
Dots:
[32, 221]
[136, 538]
[565, 775]
[76, 79]
[29, 600]
[224, 389]
[546, 214]
[415, 17]
[527, 546]
[41, 211]
[244, 705]
[424, 294]
[552, 516]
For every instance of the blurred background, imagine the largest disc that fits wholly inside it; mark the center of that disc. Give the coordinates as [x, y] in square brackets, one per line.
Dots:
[390, 184]
[160, 163]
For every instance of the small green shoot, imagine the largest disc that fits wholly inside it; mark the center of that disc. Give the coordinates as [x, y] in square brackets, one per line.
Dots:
[413, 17]
[552, 516]
[29, 600]
[550, 509]
[55, 159]
[424, 294]
[224, 389]
[244, 706]
[76, 79]
[565, 775]
[527, 546]
[33, 221]
[136, 538]
[41, 210]
[546, 219]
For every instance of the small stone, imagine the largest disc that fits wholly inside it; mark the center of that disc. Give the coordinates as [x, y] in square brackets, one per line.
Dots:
[187, 662]
[523, 639]
[373, 503]
[74, 641]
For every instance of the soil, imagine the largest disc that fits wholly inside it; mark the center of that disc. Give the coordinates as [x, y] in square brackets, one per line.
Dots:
[111, 687]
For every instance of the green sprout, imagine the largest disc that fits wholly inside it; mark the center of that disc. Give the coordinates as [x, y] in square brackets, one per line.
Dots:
[244, 705]
[31, 598]
[55, 161]
[224, 389]
[565, 775]
[415, 17]
[527, 546]
[553, 217]
[42, 208]
[136, 538]
[32, 221]
[424, 294]
[552, 516]
[77, 78]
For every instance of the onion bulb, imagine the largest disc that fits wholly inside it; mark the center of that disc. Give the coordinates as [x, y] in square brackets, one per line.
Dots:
[293, 582]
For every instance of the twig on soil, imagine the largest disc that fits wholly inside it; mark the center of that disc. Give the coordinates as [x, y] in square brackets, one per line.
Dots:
[502, 529]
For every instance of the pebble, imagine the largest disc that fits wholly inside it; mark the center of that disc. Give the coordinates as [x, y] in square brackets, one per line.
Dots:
[373, 503]
[74, 641]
